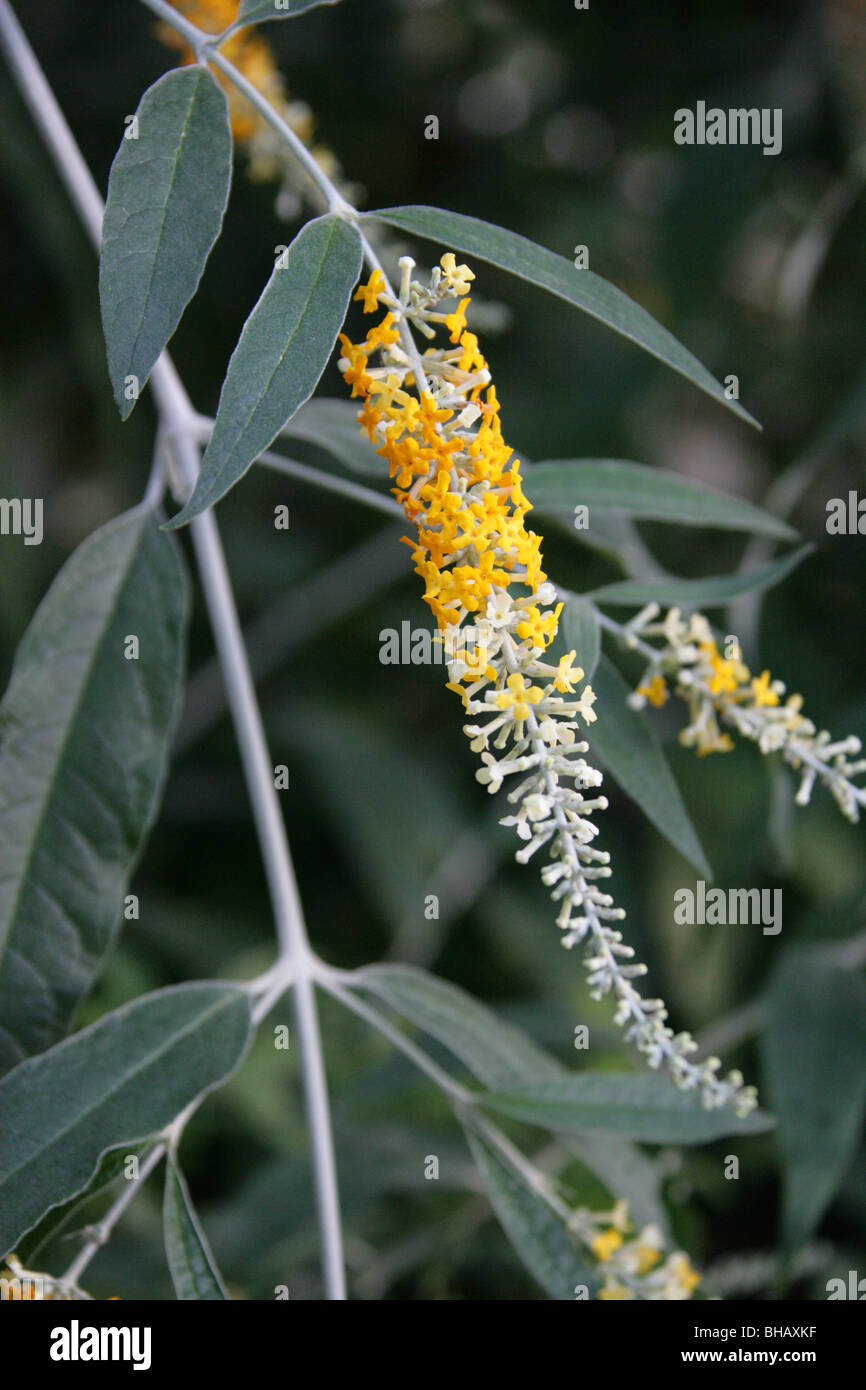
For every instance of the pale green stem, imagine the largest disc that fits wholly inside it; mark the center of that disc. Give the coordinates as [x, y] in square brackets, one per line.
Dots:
[465, 1102]
[330, 980]
[101, 1233]
[205, 47]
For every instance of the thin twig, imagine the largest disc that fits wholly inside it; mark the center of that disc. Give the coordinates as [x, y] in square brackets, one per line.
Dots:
[330, 482]
[206, 48]
[465, 1102]
[330, 981]
[99, 1234]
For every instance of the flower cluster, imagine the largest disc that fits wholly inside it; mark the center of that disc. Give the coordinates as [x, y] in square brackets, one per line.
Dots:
[253, 56]
[632, 1261]
[435, 418]
[721, 691]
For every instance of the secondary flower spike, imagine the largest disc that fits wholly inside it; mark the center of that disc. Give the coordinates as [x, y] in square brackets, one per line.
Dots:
[435, 418]
[720, 690]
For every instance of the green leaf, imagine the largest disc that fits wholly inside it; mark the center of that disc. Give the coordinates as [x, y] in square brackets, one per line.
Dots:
[552, 272]
[544, 1245]
[167, 193]
[634, 757]
[639, 491]
[110, 1170]
[581, 632]
[498, 1055]
[332, 425]
[709, 593]
[814, 1051]
[282, 352]
[190, 1262]
[632, 1104]
[84, 742]
[259, 11]
[124, 1077]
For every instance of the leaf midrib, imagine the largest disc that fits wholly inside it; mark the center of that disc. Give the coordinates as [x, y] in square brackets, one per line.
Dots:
[172, 181]
[241, 432]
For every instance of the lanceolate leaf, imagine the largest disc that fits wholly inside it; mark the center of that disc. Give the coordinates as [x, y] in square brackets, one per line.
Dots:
[552, 272]
[633, 1105]
[258, 11]
[581, 631]
[85, 729]
[815, 1057]
[112, 1169]
[190, 1262]
[282, 352]
[494, 1052]
[634, 757]
[709, 592]
[540, 1238]
[652, 493]
[167, 193]
[119, 1080]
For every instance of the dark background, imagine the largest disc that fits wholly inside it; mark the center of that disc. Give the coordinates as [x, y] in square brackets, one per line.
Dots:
[559, 125]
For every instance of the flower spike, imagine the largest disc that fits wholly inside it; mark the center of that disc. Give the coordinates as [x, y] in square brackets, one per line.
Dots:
[460, 484]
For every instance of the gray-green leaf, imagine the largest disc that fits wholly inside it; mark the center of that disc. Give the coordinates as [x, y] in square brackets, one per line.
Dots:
[814, 1050]
[639, 491]
[126, 1076]
[581, 632]
[554, 273]
[634, 1105]
[111, 1169]
[497, 1054]
[634, 757]
[709, 593]
[282, 352]
[167, 193]
[84, 741]
[190, 1261]
[538, 1235]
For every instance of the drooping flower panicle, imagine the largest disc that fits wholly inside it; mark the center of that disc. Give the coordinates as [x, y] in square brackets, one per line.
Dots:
[719, 689]
[435, 418]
